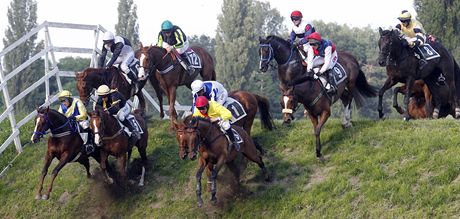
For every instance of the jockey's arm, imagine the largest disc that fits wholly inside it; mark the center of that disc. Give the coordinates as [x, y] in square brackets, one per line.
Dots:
[60, 109]
[310, 57]
[180, 38]
[116, 53]
[292, 37]
[82, 110]
[102, 57]
[327, 59]
[223, 112]
[160, 40]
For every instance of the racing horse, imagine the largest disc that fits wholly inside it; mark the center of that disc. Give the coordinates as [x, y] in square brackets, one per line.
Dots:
[165, 68]
[92, 78]
[202, 137]
[402, 66]
[309, 91]
[110, 136]
[65, 144]
[420, 103]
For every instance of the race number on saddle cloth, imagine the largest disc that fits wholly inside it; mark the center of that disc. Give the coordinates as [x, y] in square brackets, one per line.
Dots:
[217, 113]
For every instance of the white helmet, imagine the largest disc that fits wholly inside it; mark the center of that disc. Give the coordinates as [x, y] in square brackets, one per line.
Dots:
[197, 85]
[108, 36]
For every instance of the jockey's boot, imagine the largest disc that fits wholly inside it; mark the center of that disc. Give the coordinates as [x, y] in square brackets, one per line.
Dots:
[189, 69]
[135, 135]
[234, 143]
[89, 146]
[331, 80]
[133, 77]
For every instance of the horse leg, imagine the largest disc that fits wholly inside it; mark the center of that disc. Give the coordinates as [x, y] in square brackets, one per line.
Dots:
[104, 159]
[208, 174]
[62, 162]
[48, 160]
[250, 153]
[214, 173]
[158, 91]
[141, 99]
[143, 153]
[122, 167]
[235, 170]
[409, 85]
[395, 99]
[85, 163]
[198, 175]
[388, 83]
[346, 114]
[172, 108]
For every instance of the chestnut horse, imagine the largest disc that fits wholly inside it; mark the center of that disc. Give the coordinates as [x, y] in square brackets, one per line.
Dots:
[203, 137]
[111, 138]
[65, 144]
[165, 69]
[92, 78]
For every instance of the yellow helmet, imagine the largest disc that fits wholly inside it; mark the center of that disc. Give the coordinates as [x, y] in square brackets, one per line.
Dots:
[404, 16]
[103, 90]
[65, 94]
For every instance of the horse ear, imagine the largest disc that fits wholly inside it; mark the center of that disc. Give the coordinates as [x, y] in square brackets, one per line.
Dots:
[380, 30]
[176, 125]
[140, 45]
[47, 109]
[261, 39]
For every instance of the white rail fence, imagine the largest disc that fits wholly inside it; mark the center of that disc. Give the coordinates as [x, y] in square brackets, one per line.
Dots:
[51, 69]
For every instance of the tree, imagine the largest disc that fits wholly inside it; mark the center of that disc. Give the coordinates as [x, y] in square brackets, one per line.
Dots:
[441, 18]
[127, 25]
[239, 26]
[22, 17]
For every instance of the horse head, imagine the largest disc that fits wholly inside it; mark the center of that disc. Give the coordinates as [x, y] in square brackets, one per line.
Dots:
[390, 44]
[142, 55]
[289, 103]
[92, 78]
[41, 124]
[96, 122]
[193, 136]
[182, 138]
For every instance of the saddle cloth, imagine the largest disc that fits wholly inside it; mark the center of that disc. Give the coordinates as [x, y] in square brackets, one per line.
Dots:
[237, 137]
[136, 125]
[193, 58]
[236, 108]
[337, 71]
[428, 52]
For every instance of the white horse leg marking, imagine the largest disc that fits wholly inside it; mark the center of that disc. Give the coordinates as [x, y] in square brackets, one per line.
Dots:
[141, 69]
[97, 137]
[141, 181]
[346, 117]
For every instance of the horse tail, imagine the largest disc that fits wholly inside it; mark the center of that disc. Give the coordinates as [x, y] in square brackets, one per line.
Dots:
[364, 87]
[265, 116]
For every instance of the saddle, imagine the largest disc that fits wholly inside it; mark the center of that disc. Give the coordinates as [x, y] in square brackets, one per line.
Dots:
[128, 132]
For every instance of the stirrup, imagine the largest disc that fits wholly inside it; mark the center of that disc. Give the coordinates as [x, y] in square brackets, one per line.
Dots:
[89, 148]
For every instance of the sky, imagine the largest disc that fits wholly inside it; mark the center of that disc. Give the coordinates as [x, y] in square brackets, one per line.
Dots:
[197, 17]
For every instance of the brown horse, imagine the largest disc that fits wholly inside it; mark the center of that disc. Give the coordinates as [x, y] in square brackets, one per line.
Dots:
[203, 137]
[92, 78]
[111, 138]
[251, 104]
[65, 144]
[420, 104]
[166, 69]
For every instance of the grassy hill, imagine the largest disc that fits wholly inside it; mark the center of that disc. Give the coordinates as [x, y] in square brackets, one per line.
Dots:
[383, 169]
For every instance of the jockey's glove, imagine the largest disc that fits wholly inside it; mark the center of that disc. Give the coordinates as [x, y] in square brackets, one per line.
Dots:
[216, 119]
[411, 44]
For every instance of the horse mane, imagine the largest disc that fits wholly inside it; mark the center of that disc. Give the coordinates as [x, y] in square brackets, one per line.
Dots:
[52, 112]
[194, 121]
[273, 38]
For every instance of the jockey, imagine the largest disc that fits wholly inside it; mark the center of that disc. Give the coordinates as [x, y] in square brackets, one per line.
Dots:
[322, 51]
[212, 90]
[172, 37]
[301, 29]
[216, 112]
[74, 109]
[122, 53]
[413, 32]
[114, 102]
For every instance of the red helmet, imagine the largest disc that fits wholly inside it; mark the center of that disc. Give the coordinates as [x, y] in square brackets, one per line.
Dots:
[201, 101]
[314, 37]
[296, 14]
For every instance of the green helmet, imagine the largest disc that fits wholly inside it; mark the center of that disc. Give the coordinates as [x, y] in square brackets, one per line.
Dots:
[166, 25]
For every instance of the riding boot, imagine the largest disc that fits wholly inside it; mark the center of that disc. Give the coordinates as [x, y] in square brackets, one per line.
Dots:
[331, 80]
[184, 58]
[421, 59]
[135, 135]
[89, 146]
[134, 81]
[233, 140]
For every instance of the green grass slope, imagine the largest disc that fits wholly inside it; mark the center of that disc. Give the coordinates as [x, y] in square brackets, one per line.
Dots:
[384, 169]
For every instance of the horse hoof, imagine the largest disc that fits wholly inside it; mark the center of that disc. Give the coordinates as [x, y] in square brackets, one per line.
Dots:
[141, 184]
[38, 197]
[131, 182]
[200, 204]
[321, 159]
[45, 197]
[110, 181]
[214, 201]
[406, 118]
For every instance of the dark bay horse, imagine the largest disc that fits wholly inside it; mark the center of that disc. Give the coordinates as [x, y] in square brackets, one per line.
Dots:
[65, 144]
[92, 78]
[203, 137]
[112, 140]
[402, 66]
[169, 73]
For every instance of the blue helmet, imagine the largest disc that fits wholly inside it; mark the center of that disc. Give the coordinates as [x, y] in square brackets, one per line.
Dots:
[166, 25]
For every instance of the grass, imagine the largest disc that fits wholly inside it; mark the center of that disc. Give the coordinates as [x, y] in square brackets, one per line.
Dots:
[383, 169]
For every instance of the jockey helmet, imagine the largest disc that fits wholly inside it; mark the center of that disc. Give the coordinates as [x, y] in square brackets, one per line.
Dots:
[166, 25]
[314, 38]
[296, 15]
[108, 37]
[404, 16]
[103, 90]
[196, 86]
[64, 94]
[201, 101]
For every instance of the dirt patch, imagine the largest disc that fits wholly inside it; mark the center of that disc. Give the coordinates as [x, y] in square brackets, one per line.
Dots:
[319, 175]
